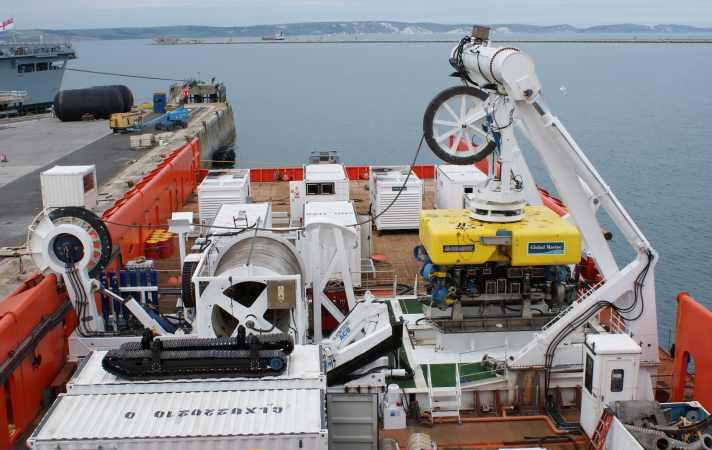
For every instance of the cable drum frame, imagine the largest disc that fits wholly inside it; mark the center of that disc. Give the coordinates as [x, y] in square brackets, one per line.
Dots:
[261, 257]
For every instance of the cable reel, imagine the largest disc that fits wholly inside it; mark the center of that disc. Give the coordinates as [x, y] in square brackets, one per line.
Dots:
[69, 236]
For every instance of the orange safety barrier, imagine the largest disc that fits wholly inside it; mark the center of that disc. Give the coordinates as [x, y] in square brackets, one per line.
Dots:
[268, 174]
[21, 313]
[693, 349]
[357, 172]
[424, 171]
[152, 200]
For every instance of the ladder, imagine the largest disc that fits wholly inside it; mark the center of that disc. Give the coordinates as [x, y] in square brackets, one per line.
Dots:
[445, 402]
[598, 440]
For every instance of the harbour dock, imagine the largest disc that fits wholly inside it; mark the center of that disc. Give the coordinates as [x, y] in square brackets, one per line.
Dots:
[35, 145]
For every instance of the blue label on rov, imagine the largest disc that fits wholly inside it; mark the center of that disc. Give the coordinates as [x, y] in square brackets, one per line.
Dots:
[546, 248]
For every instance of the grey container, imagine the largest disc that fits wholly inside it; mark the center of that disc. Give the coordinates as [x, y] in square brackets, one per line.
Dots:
[353, 421]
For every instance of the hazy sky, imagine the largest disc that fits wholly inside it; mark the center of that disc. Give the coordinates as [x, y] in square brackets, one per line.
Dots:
[114, 13]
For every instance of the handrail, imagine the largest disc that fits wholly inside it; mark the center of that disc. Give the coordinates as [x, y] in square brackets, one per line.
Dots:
[566, 310]
[458, 392]
[473, 374]
[11, 49]
[430, 387]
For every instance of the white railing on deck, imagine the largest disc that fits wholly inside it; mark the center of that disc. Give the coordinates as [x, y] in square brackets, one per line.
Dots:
[566, 310]
[5, 93]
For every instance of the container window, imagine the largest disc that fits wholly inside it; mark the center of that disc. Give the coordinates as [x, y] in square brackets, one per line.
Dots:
[327, 188]
[88, 182]
[312, 188]
[41, 67]
[588, 374]
[617, 377]
[25, 68]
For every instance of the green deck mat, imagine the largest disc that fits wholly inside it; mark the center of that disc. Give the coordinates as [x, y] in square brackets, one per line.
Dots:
[442, 375]
[411, 306]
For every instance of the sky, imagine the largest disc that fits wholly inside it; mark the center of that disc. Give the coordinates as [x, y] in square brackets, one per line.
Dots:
[57, 14]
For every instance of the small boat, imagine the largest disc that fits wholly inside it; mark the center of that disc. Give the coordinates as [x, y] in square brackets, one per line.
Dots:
[275, 37]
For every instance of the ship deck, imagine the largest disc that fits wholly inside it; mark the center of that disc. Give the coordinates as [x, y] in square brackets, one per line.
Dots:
[392, 250]
[492, 433]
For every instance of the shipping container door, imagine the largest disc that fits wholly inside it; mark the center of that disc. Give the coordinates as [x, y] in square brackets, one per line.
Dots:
[353, 421]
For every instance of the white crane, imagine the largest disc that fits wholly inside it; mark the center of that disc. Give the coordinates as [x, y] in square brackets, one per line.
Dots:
[468, 123]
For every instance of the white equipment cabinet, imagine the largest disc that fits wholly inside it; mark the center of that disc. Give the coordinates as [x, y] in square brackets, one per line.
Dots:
[322, 183]
[453, 182]
[69, 186]
[384, 184]
[339, 213]
[222, 187]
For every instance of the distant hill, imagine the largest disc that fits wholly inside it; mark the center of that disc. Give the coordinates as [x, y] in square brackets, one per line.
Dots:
[341, 28]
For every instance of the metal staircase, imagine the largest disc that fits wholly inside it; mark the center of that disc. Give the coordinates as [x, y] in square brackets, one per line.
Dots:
[598, 440]
[445, 402]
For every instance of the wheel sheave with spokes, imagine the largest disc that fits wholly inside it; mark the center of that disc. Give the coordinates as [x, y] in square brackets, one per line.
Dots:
[445, 127]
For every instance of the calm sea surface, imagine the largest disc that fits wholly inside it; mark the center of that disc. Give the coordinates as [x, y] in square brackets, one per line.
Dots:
[641, 112]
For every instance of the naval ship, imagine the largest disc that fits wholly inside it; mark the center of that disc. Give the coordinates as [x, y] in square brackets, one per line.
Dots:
[33, 70]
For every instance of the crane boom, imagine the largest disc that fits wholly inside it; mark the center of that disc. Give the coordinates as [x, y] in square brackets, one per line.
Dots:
[510, 73]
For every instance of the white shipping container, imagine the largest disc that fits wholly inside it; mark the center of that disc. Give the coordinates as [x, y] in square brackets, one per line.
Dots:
[272, 419]
[385, 182]
[340, 213]
[452, 182]
[222, 187]
[303, 372]
[69, 186]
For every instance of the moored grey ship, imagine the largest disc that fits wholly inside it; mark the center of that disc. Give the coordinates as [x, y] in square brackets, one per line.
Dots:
[34, 68]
